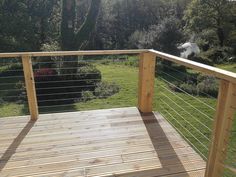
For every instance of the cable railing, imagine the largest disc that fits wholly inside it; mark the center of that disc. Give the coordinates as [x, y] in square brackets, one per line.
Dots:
[12, 90]
[199, 106]
[183, 105]
[69, 83]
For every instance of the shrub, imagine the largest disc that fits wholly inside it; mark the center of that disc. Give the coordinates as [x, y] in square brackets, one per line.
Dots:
[208, 85]
[201, 85]
[189, 88]
[105, 89]
[12, 70]
[201, 59]
[87, 96]
[68, 87]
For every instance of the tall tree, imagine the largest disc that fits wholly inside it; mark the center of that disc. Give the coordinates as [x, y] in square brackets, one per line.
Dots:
[73, 39]
[213, 15]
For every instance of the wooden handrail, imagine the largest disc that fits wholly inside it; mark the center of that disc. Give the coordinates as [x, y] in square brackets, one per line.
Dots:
[73, 53]
[219, 73]
[213, 71]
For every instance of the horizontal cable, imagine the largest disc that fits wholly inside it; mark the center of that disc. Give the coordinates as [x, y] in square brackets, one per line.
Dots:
[183, 134]
[68, 81]
[209, 106]
[77, 99]
[61, 93]
[53, 111]
[8, 83]
[60, 105]
[23, 96]
[180, 72]
[186, 112]
[62, 62]
[187, 103]
[69, 68]
[6, 77]
[187, 122]
[184, 83]
[78, 61]
[49, 88]
[13, 70]
[12, 90]
[68, 74]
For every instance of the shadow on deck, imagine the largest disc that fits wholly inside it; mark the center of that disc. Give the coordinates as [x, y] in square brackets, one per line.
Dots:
[112, 142]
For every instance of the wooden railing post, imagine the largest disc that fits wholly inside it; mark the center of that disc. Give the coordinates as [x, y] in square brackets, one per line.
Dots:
[222, 125]
[146, 81]
[30, 86]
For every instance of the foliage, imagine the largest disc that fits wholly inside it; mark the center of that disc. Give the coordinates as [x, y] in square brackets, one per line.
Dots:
[87, 96]
[53, 86]
[163, 37]
[14, 69]
[105, 89]
[203, 85]
[218, 18]
[26, 25]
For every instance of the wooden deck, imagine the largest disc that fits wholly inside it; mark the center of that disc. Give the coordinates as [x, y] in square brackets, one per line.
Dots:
[112, 142]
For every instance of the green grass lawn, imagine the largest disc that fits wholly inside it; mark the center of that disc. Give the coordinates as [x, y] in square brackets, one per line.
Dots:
[228, 67]
[191, 116]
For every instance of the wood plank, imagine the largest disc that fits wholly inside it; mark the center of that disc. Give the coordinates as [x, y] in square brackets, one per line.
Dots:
[147, 64]
[222, 127]
[72, 53]
[119, 143]
[30, 87]
[206, 69]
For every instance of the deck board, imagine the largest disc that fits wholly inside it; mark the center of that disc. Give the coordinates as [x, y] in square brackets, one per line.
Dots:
[112, 142]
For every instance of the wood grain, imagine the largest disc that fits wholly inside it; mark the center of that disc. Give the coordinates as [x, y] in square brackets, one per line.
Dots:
[78, 144]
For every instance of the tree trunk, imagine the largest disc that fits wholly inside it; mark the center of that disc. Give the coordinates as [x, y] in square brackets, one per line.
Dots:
[84, 32]
[69, 38]
[68, 24]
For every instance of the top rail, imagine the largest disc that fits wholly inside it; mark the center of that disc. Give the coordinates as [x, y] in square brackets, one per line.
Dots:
[71, 53]
[219, 73]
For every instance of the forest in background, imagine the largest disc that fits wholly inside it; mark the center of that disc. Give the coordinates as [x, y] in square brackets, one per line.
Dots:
[47, 25]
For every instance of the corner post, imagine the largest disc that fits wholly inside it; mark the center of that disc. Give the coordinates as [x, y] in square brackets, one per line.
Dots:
[30, 86]
[147, 64]
[222, 125]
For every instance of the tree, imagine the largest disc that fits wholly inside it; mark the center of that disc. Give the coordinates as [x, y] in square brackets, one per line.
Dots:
[164, 37]
[202, 15]
[27, 24]
[71, 38]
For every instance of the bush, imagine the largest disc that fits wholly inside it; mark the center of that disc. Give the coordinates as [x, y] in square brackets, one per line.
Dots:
[219, 55]
[201, 59]
[201, 85]
[15, 69]
[208, 85]
[69, 87]
[87, 96]
[189, 88]
[105, 89]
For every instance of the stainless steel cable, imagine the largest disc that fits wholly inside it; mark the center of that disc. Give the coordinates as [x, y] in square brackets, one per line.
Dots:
[209, 106]
[187, 103]
[184, 135]
[189, 123]
[187, 112]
